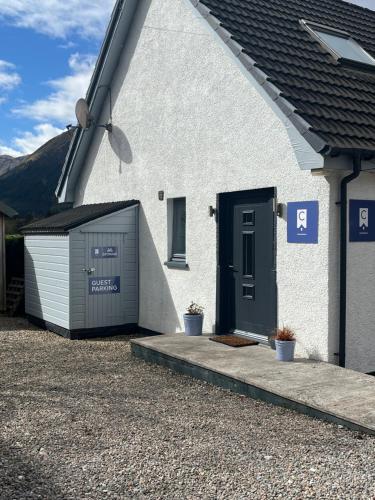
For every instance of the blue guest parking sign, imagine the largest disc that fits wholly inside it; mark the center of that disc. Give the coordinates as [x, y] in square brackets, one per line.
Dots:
[303, 222]
[104, 286]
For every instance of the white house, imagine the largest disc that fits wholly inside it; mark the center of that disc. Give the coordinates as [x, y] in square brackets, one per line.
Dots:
[246, 130]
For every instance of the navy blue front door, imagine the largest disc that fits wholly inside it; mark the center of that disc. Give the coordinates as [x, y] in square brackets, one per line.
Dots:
[247, 262]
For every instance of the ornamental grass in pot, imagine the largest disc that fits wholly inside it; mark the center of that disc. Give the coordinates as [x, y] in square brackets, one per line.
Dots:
[285, 342]
[193, 320]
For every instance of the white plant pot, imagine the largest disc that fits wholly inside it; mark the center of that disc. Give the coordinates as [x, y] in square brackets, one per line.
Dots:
[285, 350]
[193, 324]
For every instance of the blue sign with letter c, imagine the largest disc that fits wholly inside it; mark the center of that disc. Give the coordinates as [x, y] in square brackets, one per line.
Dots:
[361, 220]
[303, 222]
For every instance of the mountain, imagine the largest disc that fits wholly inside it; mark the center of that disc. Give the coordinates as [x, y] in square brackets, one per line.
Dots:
[8, 162]
[28, 184]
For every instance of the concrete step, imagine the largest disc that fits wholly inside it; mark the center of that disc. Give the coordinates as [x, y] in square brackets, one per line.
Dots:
[315, 388]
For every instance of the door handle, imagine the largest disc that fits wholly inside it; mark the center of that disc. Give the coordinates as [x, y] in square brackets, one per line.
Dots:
[231, 268]
[89, 270]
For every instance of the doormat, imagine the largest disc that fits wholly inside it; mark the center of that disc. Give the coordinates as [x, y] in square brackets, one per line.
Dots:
[233, 340]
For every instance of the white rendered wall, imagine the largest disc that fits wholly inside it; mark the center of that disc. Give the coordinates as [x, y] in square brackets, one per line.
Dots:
[187, 121]
[360, 339]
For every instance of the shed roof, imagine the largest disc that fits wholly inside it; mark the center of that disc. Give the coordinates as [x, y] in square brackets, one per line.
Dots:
[75, 217]
[7, 210]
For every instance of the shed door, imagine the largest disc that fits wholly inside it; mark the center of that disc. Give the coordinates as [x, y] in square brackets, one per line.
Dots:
[105, 279]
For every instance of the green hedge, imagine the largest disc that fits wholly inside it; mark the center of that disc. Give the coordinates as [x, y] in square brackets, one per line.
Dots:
[14, 256]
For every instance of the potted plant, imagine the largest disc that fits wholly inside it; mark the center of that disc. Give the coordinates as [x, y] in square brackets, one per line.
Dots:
[193, 320]
[285, 342]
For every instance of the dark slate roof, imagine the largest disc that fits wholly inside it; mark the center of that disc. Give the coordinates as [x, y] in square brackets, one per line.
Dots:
[337, 101]
[6, 210]
[75, 217]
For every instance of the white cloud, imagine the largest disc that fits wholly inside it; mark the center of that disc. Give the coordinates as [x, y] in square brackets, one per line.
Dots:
[67, 45]
[28, 142]
[58, 107]
[4, 150]
[57, 18]
[9, 78]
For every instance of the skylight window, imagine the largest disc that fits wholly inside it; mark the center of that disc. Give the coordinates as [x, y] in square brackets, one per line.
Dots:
[340, 44]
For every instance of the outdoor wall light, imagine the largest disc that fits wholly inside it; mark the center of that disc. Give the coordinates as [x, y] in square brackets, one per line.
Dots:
[161, 195]
[211, 211]
[279, 209]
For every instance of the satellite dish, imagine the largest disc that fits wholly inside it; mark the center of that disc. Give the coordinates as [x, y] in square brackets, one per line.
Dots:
[83, 114]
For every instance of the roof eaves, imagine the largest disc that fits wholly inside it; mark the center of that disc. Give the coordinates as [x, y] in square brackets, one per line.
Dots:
[44, 230]
[304, 128]
[101, 79]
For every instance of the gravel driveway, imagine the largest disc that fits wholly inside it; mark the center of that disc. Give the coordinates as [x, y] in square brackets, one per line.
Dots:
[86, 420]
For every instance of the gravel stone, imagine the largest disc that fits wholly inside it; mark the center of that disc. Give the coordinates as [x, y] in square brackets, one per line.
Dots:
[85, 420]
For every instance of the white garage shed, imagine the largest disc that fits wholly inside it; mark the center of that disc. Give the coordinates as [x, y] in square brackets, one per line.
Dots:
[81, 270]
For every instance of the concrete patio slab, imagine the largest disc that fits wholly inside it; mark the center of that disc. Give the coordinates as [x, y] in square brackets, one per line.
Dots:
[315, 388]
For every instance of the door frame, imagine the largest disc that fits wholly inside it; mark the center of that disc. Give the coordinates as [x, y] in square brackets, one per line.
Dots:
[222, 201]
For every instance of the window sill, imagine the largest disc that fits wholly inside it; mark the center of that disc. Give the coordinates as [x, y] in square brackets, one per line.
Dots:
[172, 264]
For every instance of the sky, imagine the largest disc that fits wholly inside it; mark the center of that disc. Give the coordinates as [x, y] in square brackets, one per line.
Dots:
[370, 4]
[47, 54]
